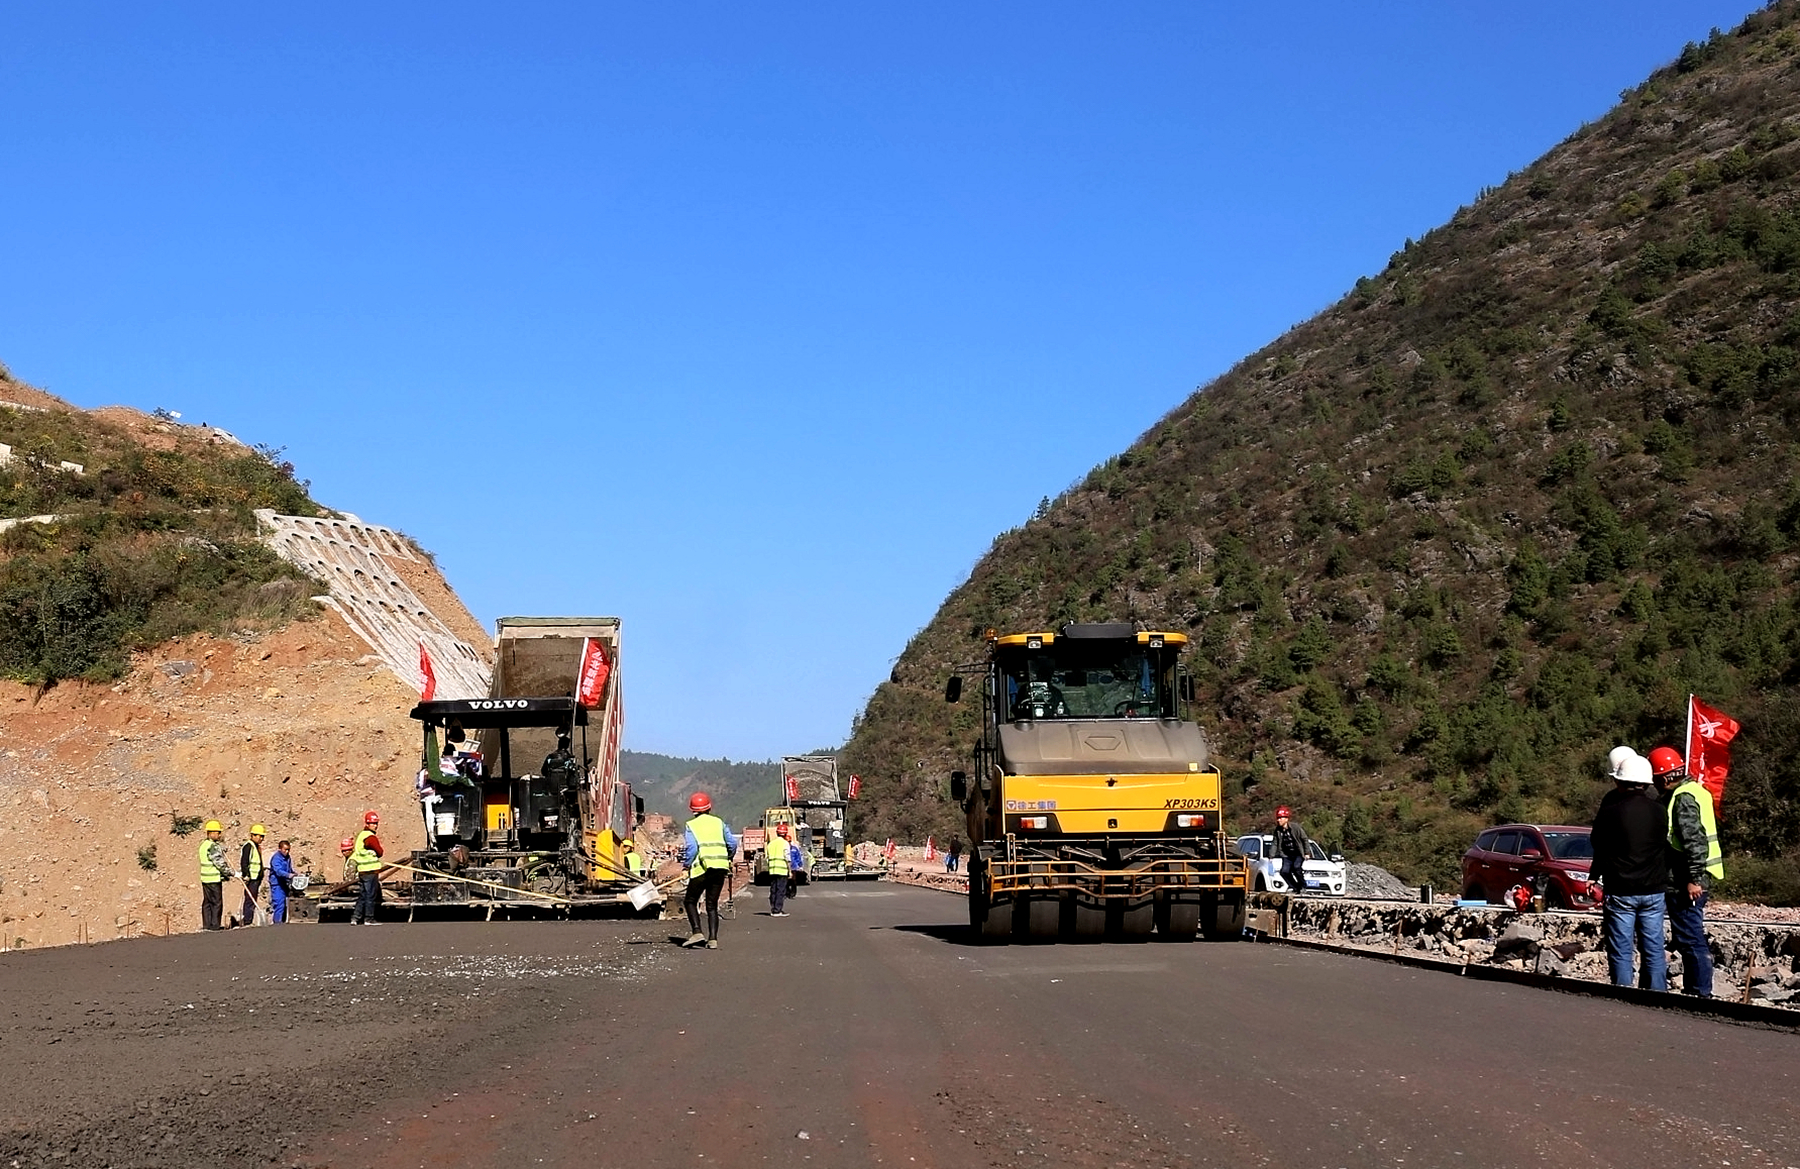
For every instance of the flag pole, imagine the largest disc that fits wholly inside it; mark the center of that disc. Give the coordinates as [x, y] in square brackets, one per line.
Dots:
[1692, 767]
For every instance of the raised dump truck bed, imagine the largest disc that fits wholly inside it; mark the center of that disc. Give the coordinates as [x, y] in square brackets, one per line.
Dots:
[525, 812]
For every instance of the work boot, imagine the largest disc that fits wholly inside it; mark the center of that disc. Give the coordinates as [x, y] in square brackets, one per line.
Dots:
[712, 943]
[694, 940]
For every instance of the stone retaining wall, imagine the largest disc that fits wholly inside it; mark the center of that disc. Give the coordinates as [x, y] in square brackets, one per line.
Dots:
[1567, 944]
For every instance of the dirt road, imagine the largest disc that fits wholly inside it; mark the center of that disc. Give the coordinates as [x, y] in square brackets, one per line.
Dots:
[859, 1031]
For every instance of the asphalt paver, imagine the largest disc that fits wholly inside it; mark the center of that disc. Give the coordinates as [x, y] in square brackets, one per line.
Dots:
[864, 1029]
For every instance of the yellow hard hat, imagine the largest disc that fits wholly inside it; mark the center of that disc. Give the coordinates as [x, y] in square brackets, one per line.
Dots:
[627, 844]
[258, 830]
[214, 826]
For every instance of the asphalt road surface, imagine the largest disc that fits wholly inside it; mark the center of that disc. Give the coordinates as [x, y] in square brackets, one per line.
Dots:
[859, 1031]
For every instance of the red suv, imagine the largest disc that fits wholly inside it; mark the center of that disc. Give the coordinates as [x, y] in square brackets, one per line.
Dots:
[1518, 854]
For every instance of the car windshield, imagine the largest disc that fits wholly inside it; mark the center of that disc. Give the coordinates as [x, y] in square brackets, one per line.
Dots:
[1315, 852]
[1100, 679]
[1570, 846]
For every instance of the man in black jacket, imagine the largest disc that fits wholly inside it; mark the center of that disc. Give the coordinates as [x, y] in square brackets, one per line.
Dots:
[1290, 845]
[1629, 858]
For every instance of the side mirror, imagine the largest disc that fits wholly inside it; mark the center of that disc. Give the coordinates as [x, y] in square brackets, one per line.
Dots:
[953, 688]
[1186, 687]
[1338, 857]
[1531, 854]
[959, 786]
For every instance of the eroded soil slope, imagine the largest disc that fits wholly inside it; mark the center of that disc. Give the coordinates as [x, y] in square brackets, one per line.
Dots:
[300, 729]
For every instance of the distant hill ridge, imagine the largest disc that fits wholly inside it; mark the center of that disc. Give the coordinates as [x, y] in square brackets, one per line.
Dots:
[1504, 505]
[740, 791]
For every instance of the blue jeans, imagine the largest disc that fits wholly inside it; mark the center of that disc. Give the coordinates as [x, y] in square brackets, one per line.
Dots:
[778, 893]
[1636, 917]
[368, 901]
[1687, 920]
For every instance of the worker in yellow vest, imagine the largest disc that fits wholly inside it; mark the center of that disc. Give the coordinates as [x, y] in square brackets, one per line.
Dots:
[365, 854]
[214, 872]
[1696, 862]
[706, 850]
[634, 861]
[784, 857]
[250, 865]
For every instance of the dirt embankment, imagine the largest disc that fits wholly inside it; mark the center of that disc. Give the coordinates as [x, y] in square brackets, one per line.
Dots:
[301, 730]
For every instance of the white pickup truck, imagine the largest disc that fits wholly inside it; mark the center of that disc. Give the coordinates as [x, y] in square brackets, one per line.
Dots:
[1323, 874]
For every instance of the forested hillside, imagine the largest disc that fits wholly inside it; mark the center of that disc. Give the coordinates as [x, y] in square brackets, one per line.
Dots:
[740, 791]
[142, 530]
[1505, 504]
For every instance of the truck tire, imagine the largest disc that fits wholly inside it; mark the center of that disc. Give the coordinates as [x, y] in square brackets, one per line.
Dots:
[1136, 920]
[994, 925]
[1223, 920]
[1178, 921]
[1090, 920]
[1043, 916]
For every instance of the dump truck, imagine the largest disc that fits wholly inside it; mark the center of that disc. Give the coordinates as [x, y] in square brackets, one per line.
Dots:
[1093, 803]
[814, 807]
[523, 805]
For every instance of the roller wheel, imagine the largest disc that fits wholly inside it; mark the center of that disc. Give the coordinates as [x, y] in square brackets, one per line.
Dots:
[1136, 921]
[996, 923]
[1090, 920]
[1181, 921]
[1224, 920]
[1043, 916]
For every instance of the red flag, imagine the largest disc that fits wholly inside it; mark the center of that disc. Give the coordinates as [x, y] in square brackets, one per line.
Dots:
[793, 789]
[888, 850]
[1708, 756]
[855, 786]
[931, 848]
[430, 686]
[590, 682]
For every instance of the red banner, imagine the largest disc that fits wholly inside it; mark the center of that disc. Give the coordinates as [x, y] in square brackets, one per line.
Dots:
[430, 687]
[793, 789]
[1708, 756]
[855, 786]
[590, 682]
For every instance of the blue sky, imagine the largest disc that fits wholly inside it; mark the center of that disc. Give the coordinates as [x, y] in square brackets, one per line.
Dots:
[752, 324]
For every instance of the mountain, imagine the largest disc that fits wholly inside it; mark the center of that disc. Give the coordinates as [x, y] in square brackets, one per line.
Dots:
[740, 791]
[1502, 506]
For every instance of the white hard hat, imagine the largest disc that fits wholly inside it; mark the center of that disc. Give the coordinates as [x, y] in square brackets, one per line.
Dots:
[1617, 759]
[1634, 770]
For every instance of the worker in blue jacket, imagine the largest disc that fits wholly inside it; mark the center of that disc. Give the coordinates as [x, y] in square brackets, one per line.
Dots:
[281, 877]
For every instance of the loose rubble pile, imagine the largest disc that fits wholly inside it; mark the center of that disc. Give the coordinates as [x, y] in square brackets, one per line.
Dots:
[1374, 883]
[1569, 945]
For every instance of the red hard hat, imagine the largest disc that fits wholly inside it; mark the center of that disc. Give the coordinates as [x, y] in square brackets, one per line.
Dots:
[1283, 811]
[346, 845]
[371, 817]
[782, 829]
[1664, 760]
[699, 802]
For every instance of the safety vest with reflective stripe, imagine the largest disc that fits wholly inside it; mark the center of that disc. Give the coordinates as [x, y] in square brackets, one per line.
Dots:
[252, 858]
[778, 857]
[209, 869]
[709, 834]
[362, 856]
[1715, 857]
